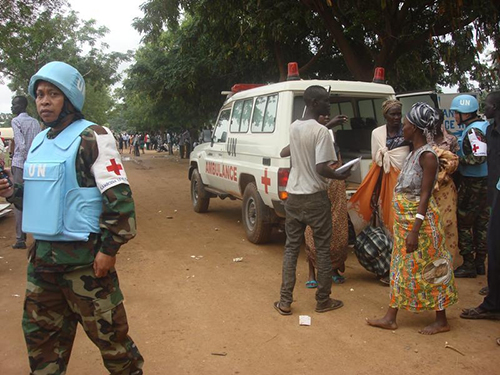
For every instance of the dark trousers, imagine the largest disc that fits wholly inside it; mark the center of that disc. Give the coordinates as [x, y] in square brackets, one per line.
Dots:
[17, 174]
[303, 210]
[473, 215]
[492, 300]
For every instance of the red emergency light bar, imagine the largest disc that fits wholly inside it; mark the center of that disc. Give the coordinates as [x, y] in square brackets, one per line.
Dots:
[244, 86]
[379, 75]
[293, 72]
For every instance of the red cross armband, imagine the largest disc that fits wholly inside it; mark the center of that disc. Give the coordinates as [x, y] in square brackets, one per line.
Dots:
[108, 169]
[479, 147]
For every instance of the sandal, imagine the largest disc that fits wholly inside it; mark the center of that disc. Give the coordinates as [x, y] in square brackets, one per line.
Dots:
[278, 308]
[311, 284]
[484, 291]
[338, 279]
[478, 313]
[385, 280]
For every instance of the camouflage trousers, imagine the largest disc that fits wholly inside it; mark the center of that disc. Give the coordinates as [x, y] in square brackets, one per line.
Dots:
[472, 218]
[56, 302]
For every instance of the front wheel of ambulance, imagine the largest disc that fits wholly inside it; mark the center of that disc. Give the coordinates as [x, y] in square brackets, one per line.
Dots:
[199, 196]
[256, 216]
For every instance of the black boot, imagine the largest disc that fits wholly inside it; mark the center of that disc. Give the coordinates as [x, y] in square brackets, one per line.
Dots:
[480, 269]
[479, 262]
[468, 269]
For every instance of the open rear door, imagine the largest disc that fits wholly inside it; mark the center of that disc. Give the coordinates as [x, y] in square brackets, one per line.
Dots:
[436, 100]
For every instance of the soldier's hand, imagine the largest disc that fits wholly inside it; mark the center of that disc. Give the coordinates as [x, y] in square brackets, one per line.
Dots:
[103, 263]
[6, 188]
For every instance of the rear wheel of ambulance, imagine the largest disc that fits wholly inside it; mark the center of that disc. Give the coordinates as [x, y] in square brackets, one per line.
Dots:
[256, 216]
[199, 196]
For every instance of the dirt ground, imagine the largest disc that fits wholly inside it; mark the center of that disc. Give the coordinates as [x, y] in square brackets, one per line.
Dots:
[193, 310]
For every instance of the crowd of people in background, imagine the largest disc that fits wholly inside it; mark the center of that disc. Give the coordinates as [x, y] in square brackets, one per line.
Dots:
[160, 141]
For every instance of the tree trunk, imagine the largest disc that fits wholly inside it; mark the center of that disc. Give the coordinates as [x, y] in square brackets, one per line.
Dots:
[357, 61]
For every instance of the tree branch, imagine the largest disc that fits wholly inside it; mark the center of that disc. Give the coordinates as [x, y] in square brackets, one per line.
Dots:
[328, 43]
[280, 61]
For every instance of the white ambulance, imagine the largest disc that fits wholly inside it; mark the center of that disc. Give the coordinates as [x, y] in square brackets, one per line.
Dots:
[242, 160]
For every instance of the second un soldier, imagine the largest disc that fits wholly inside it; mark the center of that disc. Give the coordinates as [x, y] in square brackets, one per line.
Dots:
[78, 205]
[472, 210]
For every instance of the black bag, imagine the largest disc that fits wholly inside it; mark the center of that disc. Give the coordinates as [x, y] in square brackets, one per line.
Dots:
[373, 249]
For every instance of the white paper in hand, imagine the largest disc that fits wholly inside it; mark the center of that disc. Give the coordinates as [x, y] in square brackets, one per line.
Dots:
[352, 165]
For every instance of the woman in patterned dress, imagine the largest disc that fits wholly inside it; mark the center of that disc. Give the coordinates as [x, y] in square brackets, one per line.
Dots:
[445, 191]
[421, 268]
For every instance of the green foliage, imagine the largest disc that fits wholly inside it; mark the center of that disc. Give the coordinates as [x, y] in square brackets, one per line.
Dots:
[21, 13]
[5, 120]
[98, 102]
[178, 76]
[55, 35]
[196, 48]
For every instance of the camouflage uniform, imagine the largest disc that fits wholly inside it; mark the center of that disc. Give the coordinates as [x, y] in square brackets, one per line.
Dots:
[62, 288]
[472, 211]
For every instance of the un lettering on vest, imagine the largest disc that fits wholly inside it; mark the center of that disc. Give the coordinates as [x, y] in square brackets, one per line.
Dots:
[228, 172]
[37, 169]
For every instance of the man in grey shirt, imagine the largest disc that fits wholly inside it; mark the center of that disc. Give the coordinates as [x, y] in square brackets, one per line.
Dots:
[25, 129]
[311, 150]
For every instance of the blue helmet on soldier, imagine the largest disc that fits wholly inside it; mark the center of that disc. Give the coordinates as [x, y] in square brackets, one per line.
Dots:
[464, 104]
[65, 78]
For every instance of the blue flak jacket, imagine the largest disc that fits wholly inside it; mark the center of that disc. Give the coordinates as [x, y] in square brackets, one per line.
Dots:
[55, 207]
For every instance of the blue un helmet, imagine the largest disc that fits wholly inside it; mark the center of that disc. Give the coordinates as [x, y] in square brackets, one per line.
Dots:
[464, 104]
[65, 78]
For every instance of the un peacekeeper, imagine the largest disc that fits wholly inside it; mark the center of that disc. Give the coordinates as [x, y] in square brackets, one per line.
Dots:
[472, 211]
[78, 205]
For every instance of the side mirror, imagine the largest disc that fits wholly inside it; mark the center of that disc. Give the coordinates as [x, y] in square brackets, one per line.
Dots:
[207, 135]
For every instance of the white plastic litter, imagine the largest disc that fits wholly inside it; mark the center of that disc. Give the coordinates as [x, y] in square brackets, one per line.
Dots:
[304, 320]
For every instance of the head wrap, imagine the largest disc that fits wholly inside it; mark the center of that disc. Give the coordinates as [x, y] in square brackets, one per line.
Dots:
[389, 104]
[424, 117]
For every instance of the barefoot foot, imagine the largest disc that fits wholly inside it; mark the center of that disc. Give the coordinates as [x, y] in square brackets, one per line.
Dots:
[434, 328]
[382, 323]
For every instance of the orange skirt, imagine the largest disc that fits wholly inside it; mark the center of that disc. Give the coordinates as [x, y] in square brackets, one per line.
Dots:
[360, 208]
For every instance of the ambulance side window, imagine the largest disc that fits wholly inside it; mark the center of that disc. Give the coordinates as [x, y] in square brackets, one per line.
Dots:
[220, 132]
[264, 115]
[370, 110]
[240, 120]
[236, 118]
[245, 116]
[298, 107]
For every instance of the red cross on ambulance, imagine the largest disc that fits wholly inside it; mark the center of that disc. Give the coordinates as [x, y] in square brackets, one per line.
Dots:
[266, 181]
